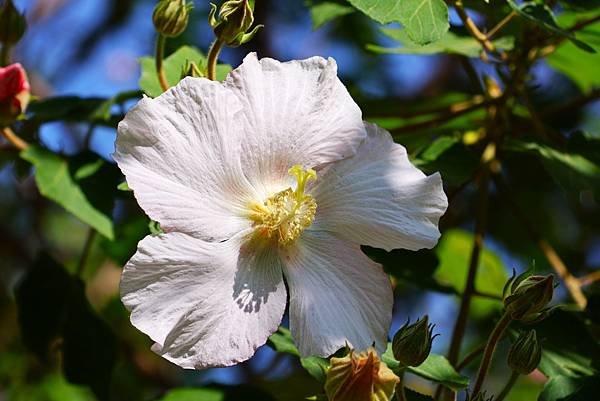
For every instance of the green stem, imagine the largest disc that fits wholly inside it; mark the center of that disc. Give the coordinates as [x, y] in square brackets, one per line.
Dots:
[508, 386]
[160, 50]
[488, 352]
[400, 395]
[213, 55]
[87, 246]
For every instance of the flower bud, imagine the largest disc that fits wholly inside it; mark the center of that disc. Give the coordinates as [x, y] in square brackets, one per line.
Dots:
[234, 20]
[525, 353]
[14, 93]
[529, 297]
[170, 17]
[362, 377]
[191, 69]
[12, 24]
[412, 343]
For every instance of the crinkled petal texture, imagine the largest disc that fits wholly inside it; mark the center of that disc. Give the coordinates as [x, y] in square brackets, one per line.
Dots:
[180, 155]
[296, 113]
[378, 198]
[337, 295]
[205, 304]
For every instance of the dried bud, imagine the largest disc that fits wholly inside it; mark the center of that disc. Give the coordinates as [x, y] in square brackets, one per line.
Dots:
[412, 343]
[528, 297]
[361, 377]
[525, 353]
[191, 69]
[170, 17]
[234, 20]
[12, 24]
[14, 93]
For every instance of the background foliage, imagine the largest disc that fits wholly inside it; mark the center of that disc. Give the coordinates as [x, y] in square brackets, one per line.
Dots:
[500, 96]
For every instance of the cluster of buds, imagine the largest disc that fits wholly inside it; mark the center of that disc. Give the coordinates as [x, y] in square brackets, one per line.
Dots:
[412, 342]
[526, 297]
[360, 377]
[14, 93]
[12, 24]
[234, 19]
[525, 353]
[171, 17]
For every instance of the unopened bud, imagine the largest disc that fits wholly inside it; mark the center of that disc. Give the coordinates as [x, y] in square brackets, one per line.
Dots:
[12, 24]
[234, 20]
[360, 377]
[412, 343]
[170, 17]
[525, 353]
[14, 93]
[191, 69]
[528, 297]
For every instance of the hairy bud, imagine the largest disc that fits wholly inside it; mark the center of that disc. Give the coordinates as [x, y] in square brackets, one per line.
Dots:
[525, 353]
[412, 343]
[528, 297]
[14, 93]
[234, 20]
[12, 24]
[362, 377]
[170, 17]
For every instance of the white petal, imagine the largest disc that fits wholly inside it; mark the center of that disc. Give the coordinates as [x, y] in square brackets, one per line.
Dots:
[378, 198]
[205, 304]
[180, 155]
[337, 296]
[298, 112]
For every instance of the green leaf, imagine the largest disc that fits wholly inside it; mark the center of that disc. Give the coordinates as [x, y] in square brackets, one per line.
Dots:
[282, 341]
[78, 109]
[571, 171]
[568, 59]
[327, 11]
[55, 182]
[448, 43]
[172, 66]
[425, 21]
[449, 156]
[435, 368]
[542, 15]
[194, 394]
[454, 251]
[566, 388]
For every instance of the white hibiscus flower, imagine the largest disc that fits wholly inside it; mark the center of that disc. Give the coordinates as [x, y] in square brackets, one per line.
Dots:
[268, 178]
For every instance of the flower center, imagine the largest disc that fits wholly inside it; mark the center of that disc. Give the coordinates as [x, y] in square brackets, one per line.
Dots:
[283, 216]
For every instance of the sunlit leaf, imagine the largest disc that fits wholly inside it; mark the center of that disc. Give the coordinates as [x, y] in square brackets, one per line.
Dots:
[194, 394]
[327, 11]
[55, 181]
[424, 20]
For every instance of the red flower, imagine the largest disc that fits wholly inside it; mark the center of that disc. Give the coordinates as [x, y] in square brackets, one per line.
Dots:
[14, 92]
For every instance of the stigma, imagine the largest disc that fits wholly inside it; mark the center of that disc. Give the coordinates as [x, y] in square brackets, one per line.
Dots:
[282, 217]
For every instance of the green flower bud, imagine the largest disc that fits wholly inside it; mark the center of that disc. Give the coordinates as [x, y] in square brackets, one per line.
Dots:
[412, 343]
[170, 17]
[12, 24]
[191, 69]
[528, 297]
[525, 353]
[234, 20]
